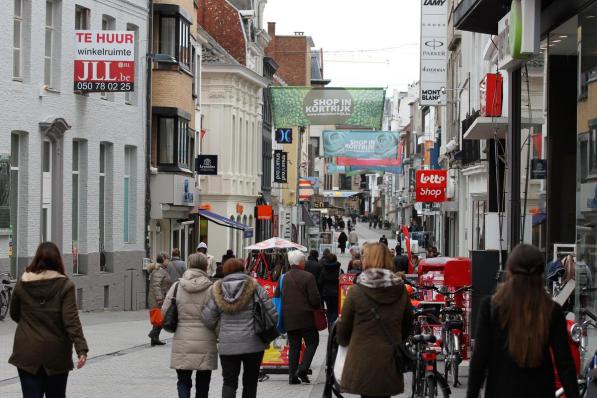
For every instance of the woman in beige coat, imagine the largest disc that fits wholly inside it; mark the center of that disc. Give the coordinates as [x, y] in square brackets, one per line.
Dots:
[194, 345]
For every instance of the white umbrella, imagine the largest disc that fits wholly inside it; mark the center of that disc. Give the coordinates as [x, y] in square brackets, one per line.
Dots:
[276, 243]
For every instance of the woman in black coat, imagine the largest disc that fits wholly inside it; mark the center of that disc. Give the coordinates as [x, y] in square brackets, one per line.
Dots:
[342, 241]
[328, 286]
[517, 327]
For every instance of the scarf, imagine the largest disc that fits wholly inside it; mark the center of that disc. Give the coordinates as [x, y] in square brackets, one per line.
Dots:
[378, 277]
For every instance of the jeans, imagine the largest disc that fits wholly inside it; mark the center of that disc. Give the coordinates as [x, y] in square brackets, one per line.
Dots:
[311, 337]
[36, 385]
[331, 307]
[231, 370]
[185, 382]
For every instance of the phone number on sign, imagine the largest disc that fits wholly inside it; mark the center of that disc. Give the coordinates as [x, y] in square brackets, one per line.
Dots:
[104, 87]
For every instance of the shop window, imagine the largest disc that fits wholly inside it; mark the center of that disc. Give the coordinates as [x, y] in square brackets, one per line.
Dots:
[478, 224]
[105, 205]
[176, 143]
[174, 38]
[17, 41]
[82, 17]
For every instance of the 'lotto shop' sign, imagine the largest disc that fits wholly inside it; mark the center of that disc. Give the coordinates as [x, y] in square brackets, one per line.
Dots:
[431, 185]
[104, 61]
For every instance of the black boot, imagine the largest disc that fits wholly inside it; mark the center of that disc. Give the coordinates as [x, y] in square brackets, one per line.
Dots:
[154, 335]
[303, 376]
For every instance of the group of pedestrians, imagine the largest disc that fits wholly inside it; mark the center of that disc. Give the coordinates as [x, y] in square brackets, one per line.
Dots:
[521, 332]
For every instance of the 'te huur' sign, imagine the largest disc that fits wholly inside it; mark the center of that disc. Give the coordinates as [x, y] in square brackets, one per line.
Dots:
[431, 185]
[104, 61]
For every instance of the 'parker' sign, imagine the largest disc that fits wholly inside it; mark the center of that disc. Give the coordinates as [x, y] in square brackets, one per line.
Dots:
[104, 61]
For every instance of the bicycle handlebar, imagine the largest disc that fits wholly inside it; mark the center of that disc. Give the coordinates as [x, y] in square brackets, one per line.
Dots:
[440, 291]
[589, 314]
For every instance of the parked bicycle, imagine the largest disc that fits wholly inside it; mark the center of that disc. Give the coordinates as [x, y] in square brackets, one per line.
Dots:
[5, 294]
[427, 381]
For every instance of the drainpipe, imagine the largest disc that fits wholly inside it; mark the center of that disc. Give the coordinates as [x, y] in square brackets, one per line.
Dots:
[148, 60]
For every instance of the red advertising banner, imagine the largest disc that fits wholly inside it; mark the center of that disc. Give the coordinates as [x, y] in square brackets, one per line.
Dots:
[431, 185]
[264, 212]
[104, 61]
[341, 161]
[344, 283]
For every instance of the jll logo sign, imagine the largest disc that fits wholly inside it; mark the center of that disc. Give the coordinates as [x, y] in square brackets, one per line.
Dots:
[431, 185]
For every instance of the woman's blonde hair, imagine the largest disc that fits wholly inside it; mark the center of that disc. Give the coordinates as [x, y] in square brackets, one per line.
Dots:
[376, 255]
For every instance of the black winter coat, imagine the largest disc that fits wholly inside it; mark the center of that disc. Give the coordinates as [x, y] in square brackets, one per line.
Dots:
[313, 267]
[505, 379]
[328, 279]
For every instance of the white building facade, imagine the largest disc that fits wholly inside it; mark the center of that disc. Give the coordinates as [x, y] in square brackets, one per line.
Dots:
[76, 161]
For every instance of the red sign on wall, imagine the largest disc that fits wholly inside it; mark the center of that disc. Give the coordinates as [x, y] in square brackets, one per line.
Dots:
[104, 61]
[431, 185]
[264, 212]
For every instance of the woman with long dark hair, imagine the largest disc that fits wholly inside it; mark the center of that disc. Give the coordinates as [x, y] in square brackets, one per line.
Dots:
[45, 309]
[517, 327]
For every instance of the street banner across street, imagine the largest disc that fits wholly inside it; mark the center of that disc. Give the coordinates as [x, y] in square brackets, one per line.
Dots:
[104, 61]
[305, 106]
[361, 144]
[342, 161]
[431, 185]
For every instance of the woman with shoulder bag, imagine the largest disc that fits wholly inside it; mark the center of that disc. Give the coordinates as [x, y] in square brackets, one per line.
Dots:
[44, 307]
[370, 368]
[194, 344]
[231, 305]
[518, 330]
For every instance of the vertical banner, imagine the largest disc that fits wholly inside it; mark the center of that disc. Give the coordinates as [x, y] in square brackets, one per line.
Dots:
[280, 166]
[104, 61]
[434, 52]
[431, 185]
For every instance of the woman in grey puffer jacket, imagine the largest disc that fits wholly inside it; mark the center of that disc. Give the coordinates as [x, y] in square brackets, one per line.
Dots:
[231, 304]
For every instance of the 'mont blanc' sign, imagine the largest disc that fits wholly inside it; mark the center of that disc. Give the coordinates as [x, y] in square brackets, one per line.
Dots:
[434, 52]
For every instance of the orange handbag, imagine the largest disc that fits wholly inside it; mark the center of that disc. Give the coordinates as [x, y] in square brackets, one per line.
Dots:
[155, 317]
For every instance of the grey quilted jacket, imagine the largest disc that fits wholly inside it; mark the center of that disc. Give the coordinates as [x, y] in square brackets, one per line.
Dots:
[231, 306]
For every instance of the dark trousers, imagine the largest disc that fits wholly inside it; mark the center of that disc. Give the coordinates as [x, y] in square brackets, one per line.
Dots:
[154, 334]
[231, 370]
[311, 337]
[331, 307]
[36, 385]
[185, 383]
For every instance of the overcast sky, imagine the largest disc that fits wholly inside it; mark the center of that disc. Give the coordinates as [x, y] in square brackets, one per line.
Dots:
[343, 28]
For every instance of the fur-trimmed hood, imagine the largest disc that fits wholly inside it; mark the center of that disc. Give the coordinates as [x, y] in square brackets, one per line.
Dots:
[233, 293]
[43, 286]
[42, 276]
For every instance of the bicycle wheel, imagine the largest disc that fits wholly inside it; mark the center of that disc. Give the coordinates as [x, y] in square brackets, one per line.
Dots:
[431, 388]
[4, 302]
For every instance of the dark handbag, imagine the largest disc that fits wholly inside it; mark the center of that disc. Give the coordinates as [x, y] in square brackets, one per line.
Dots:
[263, 323]
[171, 316]
[319, 315]
[403, 357]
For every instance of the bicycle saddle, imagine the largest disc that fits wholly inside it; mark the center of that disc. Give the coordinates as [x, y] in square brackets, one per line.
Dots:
[424, 338]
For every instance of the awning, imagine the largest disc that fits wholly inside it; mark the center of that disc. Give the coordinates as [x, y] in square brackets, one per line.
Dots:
[480, 16]
[340, 194]
[226, 222]
[487, 128]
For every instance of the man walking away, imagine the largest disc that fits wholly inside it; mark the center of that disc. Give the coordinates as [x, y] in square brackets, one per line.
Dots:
[353, 238]
[300, 297]
[328, 286]
[313, 266]
[324, 223]
[330, 223]
[383, 240]
[177, 267]
[211, 264]
[342, 238]
[159, 284]
[400, 261]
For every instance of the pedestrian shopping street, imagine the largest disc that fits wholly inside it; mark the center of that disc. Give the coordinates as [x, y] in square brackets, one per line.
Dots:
[122, 364]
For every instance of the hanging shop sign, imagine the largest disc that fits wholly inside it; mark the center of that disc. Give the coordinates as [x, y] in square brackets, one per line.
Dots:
[490, 90]
[518, 33]
[538, 169]
[284, 136]
[434, 52]
[361, 144]
[342, 161]
[264, 212]
[206, 165]
[104, 61]
[305, 106]
[280, 166]
[431, 185]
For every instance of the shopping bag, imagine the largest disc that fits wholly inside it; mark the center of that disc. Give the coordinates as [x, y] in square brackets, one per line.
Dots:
[277, 301]
[155, 317]
[339, 363]
[321, 319]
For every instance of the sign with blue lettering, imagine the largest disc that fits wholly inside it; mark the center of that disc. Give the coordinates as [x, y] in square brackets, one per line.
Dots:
[284, 136]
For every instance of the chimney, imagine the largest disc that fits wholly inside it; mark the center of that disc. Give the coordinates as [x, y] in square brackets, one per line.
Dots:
[271, 29]
[299, 33]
